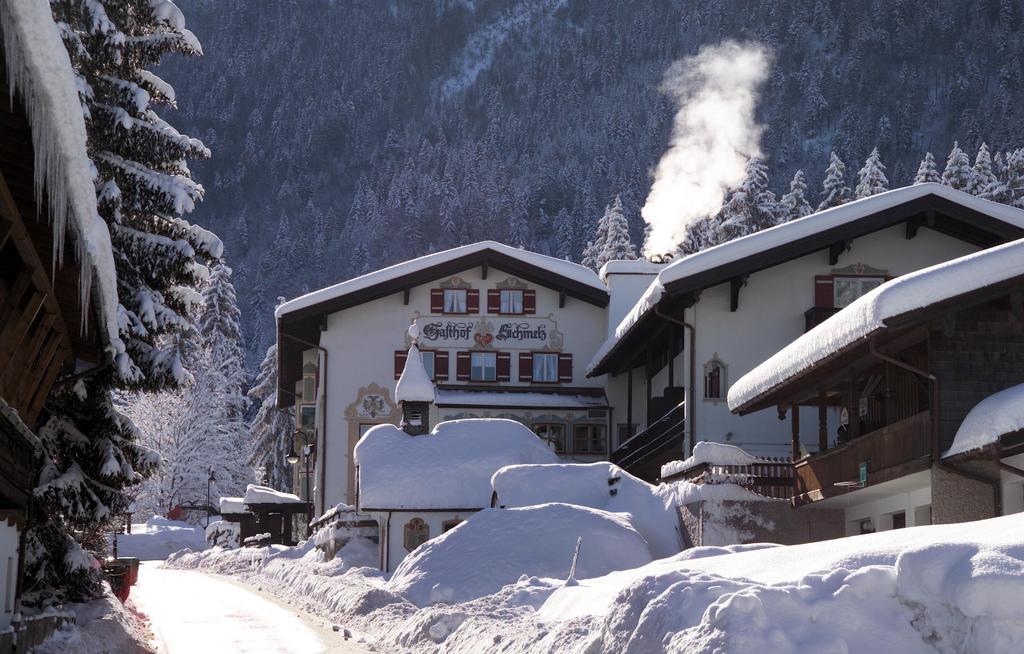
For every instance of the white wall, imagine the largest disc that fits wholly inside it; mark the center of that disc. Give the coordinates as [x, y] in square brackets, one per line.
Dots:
[880, 510]
[1013, 487]
[361, 342]
[770, 316]
[393, 532]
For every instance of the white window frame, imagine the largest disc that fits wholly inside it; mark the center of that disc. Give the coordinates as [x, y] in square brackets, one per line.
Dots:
[545, 367]
[456, 300]
[862, 284]
[479, 361]
[511, 301]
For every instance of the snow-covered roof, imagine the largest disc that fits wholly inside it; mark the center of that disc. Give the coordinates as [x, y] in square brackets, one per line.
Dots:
[560, 267]
[39, 69]
[629, 267]
[993, 417]
[231, 505]
[414, 385]
[870, 312]
[718, 454]
[759, 242]
[265, 495]
[449, 468]
[539, 400]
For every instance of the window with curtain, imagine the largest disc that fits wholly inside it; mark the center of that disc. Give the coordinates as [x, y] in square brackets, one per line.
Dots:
[552, 433]
[428, 362]
[511, 301]
[483, 366]
[455, 300]
[589, 439]
[545, 366]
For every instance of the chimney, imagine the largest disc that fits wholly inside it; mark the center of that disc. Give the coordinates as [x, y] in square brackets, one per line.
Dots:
[414, 390]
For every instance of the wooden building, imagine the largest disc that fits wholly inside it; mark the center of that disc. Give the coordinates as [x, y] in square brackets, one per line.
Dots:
[50, 331]
[709, 318]
[902, 367]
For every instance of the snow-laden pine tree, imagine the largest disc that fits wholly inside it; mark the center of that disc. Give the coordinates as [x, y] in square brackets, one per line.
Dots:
[564, 234]
[871, 178]
[763, 207]
[794, 204]
[958, 169]
[272, 430]
[595, 248]
[982, 177]
[617, 245]
[926, 172]
[834, 190]
[144, 188]
[1009, 189]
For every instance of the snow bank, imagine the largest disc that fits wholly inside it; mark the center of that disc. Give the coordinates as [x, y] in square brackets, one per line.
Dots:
[158, 537]
[265, 495]
[496, 547]
[102, 626]
[414, 385]
[793, 230]
[944, 588]
[224, 534]
[869, 313]
[718, 454]
[599, 485]
[566, 269]
[39, 68]
[998, 414]
[449, 468]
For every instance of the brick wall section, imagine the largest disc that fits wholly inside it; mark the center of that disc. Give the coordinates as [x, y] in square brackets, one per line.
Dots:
[983, 354]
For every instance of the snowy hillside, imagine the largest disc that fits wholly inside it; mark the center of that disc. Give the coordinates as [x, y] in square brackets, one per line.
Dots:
[354, 135]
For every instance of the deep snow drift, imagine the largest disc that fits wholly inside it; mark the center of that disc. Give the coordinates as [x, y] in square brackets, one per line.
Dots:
[949, 588]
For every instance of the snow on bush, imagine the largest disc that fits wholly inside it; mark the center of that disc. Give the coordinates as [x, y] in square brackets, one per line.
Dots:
[158, 537]
[497, 547]
[599, 485]
[449, 467]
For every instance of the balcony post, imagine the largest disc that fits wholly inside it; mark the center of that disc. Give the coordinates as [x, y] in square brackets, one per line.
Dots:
[854, 425]
[629, 404]
[822, 422]
[795, 422]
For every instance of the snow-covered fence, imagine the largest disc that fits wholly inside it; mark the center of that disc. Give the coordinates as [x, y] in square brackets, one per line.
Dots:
[338, 525]
[770, 476]
[30, 632]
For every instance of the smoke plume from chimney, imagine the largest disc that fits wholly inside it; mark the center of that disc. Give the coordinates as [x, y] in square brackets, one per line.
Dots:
[713, 135]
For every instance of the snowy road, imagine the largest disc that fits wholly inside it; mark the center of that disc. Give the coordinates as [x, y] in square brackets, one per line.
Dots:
[192, 612]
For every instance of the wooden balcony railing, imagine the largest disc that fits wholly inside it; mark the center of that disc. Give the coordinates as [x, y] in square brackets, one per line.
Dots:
[892, 451]
[771, 477]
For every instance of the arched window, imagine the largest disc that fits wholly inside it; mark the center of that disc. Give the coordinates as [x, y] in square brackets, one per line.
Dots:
[417, 532]
[715, 383]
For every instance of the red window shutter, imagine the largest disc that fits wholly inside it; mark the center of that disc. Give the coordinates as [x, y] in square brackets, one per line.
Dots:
[400, 357]
[503, 367]
[823, 295]
[493, 300]
[462, 364]
[530, 301]
[473, 300]
[526, 366]
[565, 367]
[437, 300]
[440, 366]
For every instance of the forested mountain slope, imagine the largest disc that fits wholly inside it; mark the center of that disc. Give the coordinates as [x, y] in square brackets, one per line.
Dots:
[347, 135]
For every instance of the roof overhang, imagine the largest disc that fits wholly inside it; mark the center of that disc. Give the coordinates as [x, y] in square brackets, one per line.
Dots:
[930, 211]
[899, 332]
[299, 329]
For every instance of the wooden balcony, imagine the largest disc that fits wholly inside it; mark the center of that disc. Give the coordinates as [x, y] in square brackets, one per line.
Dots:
[895, 450]
[771, 477]
[643, 454]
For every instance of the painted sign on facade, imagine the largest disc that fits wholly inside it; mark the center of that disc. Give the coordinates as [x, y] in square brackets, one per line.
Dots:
[508, 333]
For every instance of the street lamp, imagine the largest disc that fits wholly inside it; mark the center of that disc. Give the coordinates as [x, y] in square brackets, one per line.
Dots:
[209, 484]
[292, 457]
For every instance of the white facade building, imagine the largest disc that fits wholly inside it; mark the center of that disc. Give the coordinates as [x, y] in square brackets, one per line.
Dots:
[503, 333]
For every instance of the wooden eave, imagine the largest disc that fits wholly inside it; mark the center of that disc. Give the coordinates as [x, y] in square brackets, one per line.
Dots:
[931, 211]
[900, 332]
[300, 329]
